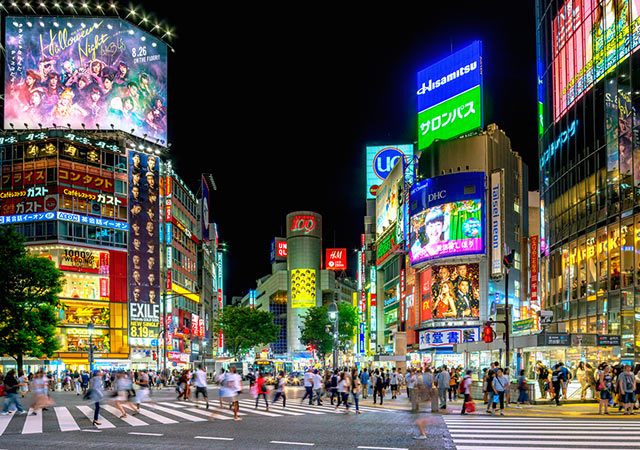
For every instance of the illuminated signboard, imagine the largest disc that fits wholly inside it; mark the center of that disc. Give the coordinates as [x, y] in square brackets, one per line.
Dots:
[336, 258]
[381, 160]
[88, 72]
[454, 292]
[278, 250]
[388, 198]
[55, 133]
[447, 217]
[450, 96]
[67, 217]
[303, 288]
[144, 247]
[589, 40]
[303, 223]
[446, 337]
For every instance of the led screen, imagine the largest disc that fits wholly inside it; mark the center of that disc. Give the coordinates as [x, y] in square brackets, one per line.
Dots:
[381, 159]
[447, 217]
[84, 73]
[590, 39]
[455, 292]
[450, 96]
[388, 201]
[303, 288]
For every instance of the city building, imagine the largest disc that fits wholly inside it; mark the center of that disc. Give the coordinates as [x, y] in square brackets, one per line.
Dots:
[588, 95]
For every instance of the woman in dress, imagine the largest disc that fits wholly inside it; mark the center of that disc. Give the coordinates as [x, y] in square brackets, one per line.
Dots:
[445, 303]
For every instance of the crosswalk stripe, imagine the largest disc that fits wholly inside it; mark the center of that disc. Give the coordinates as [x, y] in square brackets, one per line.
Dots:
[500, 424]
[65, 419]
[225, 410]
[304, 409]
[555, 443]
[190, 417]
[204, 412]
[133, 421]
[250, 404]
[4, 422]
[508, 429]
[87, 411]
[151, 415]
[627, 436]
[171, 404]
[493, 447]
[33, 423]
[260, 413]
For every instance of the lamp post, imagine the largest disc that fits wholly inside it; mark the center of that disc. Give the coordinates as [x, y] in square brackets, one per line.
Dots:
[90, 327]
[334, 319]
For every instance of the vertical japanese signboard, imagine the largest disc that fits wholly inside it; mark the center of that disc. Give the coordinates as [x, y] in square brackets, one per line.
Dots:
[144, 251]
[496, 224]
[534, 269]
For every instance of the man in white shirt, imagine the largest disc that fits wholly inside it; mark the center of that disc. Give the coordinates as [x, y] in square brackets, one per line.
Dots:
[393, 382]
[317, 386]
[230, 387]
[200, 382]
[308, 386]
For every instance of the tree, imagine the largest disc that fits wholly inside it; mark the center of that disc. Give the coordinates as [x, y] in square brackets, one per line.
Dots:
[244, 328]
[314, 327]
[29, 288]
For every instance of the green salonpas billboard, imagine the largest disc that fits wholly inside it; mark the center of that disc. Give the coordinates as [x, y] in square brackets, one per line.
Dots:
[449, 96]
[450, 118]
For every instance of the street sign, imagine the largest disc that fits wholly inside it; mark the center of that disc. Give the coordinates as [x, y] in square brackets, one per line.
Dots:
[609, 340]
[523, 325]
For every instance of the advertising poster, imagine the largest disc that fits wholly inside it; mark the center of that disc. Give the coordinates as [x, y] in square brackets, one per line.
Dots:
[455, 291]
[86, 72]
[589, 40]
[381, 159]
[450, 96]
[205, 211]
[425, 295]
[388, 199]
[144, 247]
[447, 217]
[303, 288]
[336, 258]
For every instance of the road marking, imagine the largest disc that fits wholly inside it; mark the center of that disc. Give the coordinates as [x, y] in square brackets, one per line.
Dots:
[190, 417]
[145, 434]
[65, 419]
[32, 424]
[552, 440]
[309, 444]
[307, 410]
[383, 448]
[213, 438]
[204, 412]
[248, 404]
[154, 416]
[4, 422]
[89, 413]
[225, 410]
[133, 421]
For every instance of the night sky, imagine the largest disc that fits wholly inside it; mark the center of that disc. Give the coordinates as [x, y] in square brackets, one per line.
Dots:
[278, 104]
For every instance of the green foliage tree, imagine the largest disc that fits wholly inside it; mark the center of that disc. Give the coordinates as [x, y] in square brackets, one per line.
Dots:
[244, 328]
[29, 289]
[314, 328]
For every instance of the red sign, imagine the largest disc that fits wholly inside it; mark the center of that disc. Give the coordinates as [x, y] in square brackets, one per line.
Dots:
[336, 258]
[104, 288]
[425, 295]
[403, 295]
[534, 268]
[303, 223]
[281, 249]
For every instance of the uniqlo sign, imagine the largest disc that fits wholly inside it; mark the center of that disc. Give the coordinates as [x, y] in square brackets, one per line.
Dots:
[336, 259]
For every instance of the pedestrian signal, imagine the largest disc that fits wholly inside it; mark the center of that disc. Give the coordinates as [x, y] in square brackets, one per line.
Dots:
[488, 334]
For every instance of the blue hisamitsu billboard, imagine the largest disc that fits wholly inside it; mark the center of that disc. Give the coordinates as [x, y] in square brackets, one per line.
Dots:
[447, 217]
[450, 96]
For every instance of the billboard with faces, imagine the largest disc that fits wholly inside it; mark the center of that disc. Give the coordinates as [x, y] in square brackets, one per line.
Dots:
[447, 217]
[144, 247]
[87, 72]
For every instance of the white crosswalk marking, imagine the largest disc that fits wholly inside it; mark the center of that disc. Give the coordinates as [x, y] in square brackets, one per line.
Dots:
[133, 421]
[33, 423]
[249, 404]
[157, 417]
[4, 422]
[540, 433]
[87, 411]
[65, 419]
[180, 414]
[172, 404]
[207, 413]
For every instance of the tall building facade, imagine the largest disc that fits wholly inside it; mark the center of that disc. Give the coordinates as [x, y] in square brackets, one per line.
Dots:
[589, 151]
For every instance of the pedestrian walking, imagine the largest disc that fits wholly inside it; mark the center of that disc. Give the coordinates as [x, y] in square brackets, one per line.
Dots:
[23, 381]
[95, 394]
[356, 388]
[123, 387]
[605, 384]
[627, 387]
[279, 390]
[344, 387]
[308, 386]
[317, 386]
[219, 383]
[11, 386]
[523, 394]
[378, 387]
[393, 383]
[261, 391]
[442, 383]
[581, 376]
[556, 381]
[200, 382]
[499, 384]
[143, 393]
[543, 378]
[230, 388]
[335, 378]
[364, 379]
[465, 389]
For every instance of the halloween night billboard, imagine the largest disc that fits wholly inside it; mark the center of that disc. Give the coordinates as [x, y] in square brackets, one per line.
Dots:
[84, 73]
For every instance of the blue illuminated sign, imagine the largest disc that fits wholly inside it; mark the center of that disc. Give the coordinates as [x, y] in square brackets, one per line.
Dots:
[450, 76]
[381, 159]
[563, 138]
[67, 217]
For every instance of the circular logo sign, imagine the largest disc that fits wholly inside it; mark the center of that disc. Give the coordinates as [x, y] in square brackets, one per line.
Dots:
[385, 160]
[51, 203]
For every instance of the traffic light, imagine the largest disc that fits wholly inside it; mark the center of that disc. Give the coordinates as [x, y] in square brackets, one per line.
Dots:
[508, 259]
[155, 356]
[487, 333]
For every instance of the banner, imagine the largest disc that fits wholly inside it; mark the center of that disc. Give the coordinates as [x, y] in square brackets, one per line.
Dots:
[533, 264]
[455, 291]
[205, 211]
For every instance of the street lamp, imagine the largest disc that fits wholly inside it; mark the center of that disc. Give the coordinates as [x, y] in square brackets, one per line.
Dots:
[90, 327]
[334, 319]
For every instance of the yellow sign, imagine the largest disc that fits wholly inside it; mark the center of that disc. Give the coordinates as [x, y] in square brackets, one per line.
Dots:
[182, 291]
[303, 288]
[82, 331]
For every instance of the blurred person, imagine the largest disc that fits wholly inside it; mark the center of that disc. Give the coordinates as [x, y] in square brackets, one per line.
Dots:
[200, 382]
[261, 390]
[627, 389]
[356, 388]
[279, 390]
[123, 387]
[317, 386]
[11, 386]
[96, 394]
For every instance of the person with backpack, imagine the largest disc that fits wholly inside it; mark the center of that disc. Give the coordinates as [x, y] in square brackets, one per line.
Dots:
[543, 377]
[261, 390]
[334, 388]
[627, 386]
[279, 390]
[378, 387]
[453, 384]
[556, 382]
[465, 389]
